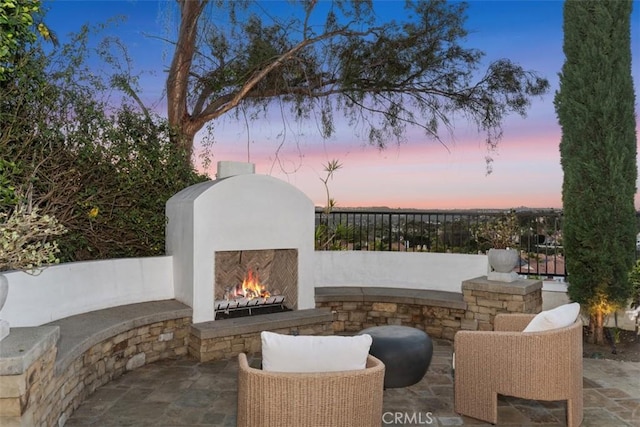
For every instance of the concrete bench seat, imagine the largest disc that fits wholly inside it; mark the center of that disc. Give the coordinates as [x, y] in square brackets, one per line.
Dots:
[390, 295]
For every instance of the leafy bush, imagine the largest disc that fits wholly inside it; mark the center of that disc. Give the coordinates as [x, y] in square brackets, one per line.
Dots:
[26, 239]
[103, 172]
[127, 179]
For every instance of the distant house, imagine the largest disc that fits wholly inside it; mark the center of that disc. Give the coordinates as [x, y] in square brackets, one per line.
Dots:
[542, 265]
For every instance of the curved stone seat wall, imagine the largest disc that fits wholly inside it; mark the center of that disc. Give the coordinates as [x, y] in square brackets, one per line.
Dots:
[439, 313]
[47, 372]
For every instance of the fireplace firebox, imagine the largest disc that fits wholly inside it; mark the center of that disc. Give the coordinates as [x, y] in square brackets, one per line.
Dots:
[250, 282]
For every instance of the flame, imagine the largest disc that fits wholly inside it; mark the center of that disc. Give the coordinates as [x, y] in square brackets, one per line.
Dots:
[251, 287]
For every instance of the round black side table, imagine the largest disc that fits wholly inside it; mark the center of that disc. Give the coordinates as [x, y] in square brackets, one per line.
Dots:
[406, 353]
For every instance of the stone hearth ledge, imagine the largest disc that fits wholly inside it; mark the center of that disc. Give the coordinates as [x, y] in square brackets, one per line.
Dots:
[263, 322]
[225, 339]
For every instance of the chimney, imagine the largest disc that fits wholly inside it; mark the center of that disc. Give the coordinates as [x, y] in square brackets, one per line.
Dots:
[228, 168]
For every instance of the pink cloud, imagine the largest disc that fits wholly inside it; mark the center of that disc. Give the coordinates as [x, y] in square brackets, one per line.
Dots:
[418, 174]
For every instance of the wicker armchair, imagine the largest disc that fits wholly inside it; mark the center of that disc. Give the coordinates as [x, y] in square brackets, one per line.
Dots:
[538, 365]
[326, 399]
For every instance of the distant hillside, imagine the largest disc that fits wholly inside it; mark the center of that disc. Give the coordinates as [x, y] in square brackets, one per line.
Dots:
[388, 209]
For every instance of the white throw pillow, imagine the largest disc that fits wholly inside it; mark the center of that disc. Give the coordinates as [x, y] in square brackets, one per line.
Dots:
[558, 317]
[306, 353]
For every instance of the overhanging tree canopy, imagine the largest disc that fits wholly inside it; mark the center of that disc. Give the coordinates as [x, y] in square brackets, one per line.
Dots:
[342, 56]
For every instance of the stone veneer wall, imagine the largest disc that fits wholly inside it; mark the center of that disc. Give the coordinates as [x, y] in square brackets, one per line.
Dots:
[40, 386]
[440, 314]
[110, 359]
[438, 322]
[224, 339]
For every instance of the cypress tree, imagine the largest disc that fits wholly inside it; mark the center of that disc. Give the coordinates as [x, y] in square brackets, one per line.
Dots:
[598, 148]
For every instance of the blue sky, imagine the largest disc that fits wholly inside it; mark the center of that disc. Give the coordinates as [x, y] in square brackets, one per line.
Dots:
[418, 174]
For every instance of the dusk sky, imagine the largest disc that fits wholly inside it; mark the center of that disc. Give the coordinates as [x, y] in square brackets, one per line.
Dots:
[419, 174]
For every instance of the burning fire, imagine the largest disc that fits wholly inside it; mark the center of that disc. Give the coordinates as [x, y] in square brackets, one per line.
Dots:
[251, 287]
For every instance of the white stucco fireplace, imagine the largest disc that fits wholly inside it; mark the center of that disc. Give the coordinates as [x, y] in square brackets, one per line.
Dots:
[237, 214]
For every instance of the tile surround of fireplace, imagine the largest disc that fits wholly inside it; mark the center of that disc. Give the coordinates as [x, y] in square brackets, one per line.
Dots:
[242, 212]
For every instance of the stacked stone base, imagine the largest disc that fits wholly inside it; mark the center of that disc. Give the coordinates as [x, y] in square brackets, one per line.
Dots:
[225, 339]
[440, 314]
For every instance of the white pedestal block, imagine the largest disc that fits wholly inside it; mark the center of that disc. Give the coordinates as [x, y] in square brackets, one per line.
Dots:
[503, 277]
[4, 329]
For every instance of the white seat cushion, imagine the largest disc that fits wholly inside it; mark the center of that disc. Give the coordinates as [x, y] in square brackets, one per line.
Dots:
[558, 317]
[305, 353]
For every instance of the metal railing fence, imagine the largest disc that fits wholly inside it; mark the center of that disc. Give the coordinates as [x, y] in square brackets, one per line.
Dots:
[539, 238]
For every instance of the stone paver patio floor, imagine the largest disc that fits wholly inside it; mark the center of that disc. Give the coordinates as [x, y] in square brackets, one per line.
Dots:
[185, 392]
